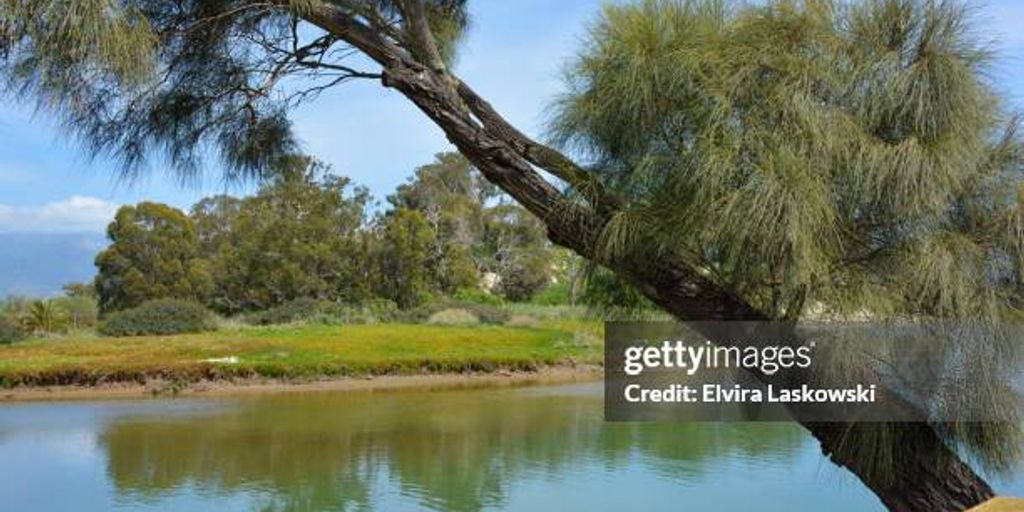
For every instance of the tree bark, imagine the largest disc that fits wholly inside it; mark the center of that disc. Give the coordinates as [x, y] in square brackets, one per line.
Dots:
[925, 474]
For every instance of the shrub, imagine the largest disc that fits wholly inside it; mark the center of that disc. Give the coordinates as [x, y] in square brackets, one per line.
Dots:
[45, 317]
[453, 317]
[326, 312]
[485, 313]
[162, 316]
[311, 310]
[478, 296]
[292, 311]
[80, 311]
[523, 321]
[554, 295]
[10, 331]
[371, 312]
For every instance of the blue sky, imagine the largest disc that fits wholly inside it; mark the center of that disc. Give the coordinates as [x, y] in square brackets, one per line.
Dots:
[512, 56]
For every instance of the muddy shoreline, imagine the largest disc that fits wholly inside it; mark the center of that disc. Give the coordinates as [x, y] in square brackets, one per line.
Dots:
[237, 387]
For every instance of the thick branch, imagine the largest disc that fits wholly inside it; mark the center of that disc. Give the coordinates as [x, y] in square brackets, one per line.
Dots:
[539, 154]
[418, 27]
[336, 21]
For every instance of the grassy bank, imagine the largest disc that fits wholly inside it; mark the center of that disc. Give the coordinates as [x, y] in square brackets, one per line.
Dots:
[298, 352]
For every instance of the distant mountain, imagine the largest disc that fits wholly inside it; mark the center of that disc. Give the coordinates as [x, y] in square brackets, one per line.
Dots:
[38, 264]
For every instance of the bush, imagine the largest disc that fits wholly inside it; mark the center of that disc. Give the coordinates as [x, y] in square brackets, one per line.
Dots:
[10, 331]
[478, 296]
[292, 311]
[453, 317]
[372, 312]
[554, 295]
[326, 312]
[485, 313]
[81, 312]
[523, 321]
[163, 316]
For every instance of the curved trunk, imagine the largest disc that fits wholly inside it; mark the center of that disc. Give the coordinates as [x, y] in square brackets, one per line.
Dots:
[923, 474]
[927, 476]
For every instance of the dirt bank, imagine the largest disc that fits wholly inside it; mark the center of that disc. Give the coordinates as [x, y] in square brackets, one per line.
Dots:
[165, 389]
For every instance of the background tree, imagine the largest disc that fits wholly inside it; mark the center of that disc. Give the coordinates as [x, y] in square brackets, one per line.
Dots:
[45, 317]
[76, 290]
[298, 237]
[518, 249]
[153, 253]
[403, 253]
[451, 198]
[746, 160]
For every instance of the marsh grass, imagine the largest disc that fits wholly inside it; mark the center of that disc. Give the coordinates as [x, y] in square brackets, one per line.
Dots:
[295, 352]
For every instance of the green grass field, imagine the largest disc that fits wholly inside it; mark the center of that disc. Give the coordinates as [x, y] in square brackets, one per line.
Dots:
[298, 352]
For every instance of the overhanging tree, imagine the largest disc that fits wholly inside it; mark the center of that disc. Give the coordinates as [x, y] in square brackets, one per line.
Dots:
[741, 164]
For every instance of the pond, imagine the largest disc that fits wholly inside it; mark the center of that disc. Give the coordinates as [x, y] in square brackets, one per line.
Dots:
[531, 448]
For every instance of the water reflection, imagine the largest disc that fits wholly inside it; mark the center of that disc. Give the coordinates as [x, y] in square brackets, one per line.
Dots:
[541, 448]
[449, 450]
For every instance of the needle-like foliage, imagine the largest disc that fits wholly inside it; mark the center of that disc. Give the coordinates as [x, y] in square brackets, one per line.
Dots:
[814, 156]
[812, 152]
[191, 78]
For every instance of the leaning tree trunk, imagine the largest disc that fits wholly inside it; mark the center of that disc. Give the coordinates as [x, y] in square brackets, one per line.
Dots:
[925, 475]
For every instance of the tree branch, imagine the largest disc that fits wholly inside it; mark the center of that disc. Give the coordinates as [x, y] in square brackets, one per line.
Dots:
[539, 154]
[424, 46]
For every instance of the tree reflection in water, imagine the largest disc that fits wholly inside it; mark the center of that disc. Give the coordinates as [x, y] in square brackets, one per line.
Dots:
[450, 450]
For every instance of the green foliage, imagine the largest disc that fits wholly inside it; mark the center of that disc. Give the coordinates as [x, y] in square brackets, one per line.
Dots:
[453, 317]
[154, 253]
[450, 197]
[485, 313]
[293, 311]
[478, 296]
[373, 311]
[193, 78]
[306, 310]
[557, 294]
[299, 236]
[45, 317]
[301, 352]
[10, 331]
[79, 312]
[159, 317]
[523, 321]
[606, 291]
[851, 155]
[402, 258]
[76, 290]
[521, 256]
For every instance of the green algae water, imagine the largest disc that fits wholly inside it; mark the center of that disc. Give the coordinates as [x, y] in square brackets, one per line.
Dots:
[529, 449]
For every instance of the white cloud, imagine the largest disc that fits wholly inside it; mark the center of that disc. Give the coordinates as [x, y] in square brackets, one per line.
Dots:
[75, 214]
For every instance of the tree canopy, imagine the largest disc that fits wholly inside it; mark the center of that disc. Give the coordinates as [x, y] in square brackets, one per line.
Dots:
[297, 237]
[153, 252]
[849, 155]
[308, 234]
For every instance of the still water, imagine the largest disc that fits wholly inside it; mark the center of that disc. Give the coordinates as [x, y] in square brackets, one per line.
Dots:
[535, 448]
